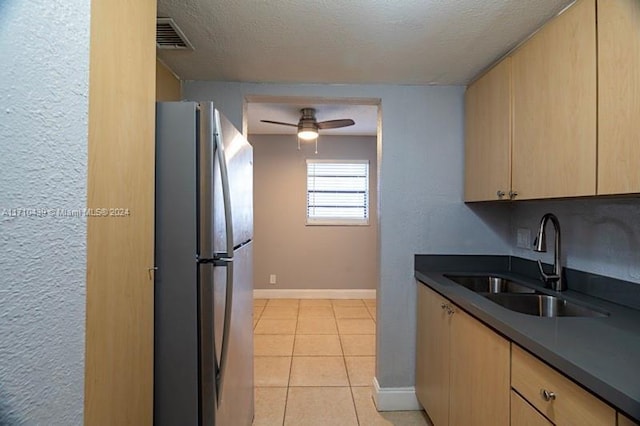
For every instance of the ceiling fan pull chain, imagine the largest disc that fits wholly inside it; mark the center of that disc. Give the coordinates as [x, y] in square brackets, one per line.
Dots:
[316, 145]
[298, 143]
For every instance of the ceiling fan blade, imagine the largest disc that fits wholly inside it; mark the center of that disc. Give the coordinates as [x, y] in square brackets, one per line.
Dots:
[279, 122]
[334, 124]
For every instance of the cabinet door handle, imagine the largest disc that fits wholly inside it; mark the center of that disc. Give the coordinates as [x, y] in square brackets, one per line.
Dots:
[500, 194]
[547, 395]
[513, 194]
[152, 271]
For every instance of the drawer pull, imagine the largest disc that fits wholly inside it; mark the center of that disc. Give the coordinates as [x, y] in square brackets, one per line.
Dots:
[547, 396]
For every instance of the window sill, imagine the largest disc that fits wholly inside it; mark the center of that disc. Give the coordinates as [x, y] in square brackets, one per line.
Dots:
[337, 222]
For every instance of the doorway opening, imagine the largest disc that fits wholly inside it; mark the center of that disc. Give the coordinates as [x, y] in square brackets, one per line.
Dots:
[315, 281]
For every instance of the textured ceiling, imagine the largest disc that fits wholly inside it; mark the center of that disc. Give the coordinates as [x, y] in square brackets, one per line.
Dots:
[348, 41]
[365, 116]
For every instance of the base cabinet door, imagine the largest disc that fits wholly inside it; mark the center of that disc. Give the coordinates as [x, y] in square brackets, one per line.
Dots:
[480, 373]
[523, 414]
[432, 355]
[462, 366]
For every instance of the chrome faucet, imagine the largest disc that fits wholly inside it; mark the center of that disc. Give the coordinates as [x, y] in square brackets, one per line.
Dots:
[554, 280]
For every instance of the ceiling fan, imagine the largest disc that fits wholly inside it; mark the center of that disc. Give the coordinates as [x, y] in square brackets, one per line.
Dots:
[308, 126]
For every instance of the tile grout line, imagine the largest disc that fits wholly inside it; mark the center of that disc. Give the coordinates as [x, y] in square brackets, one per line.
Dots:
[346, 369]
[295, 343]
[293, 347]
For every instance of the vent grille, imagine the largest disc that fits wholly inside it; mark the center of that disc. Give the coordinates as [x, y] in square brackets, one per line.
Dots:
[170, 36]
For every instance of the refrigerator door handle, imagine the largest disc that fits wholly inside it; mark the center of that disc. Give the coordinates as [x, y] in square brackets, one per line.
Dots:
[224, 180]
[224, 352]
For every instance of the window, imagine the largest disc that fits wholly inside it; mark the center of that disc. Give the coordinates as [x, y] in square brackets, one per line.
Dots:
[337, 192]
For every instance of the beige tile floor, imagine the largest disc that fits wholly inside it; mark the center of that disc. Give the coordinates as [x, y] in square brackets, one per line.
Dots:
[314, 364]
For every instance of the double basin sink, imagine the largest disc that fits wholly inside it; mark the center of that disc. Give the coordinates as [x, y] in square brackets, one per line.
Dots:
[521, 298]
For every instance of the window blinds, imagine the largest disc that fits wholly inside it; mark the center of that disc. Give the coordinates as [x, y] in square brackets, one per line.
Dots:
[337, 191]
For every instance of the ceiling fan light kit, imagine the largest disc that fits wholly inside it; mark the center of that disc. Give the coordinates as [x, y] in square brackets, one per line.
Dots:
[307, 130]
[308, 126]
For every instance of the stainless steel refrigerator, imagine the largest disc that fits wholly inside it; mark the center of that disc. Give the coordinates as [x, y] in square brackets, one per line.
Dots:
[203, 372]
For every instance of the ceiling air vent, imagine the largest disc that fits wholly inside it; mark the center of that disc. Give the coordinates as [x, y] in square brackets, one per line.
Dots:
[170, 36]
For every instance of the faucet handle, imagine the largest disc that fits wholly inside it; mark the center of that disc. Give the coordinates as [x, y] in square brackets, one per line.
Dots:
[547, 277]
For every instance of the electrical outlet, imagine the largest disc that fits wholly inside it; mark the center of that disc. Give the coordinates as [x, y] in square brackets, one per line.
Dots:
[272, 279]
[524, 238]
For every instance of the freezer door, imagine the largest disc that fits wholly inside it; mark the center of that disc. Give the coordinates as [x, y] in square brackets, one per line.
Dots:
[226, 334]
[226, 340]
[235, 398]
[208, 358]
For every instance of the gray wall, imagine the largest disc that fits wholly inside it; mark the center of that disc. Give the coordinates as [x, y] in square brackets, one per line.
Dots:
[598, 235]
[309, 257]
[44, 46]
[420, 209]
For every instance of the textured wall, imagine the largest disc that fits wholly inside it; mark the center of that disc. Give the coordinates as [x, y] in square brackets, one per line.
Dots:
[420, 163]
[44, 50]
[599, 236]
[309, 257]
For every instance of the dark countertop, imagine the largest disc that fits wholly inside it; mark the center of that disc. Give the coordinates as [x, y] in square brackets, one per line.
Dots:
[602, 354]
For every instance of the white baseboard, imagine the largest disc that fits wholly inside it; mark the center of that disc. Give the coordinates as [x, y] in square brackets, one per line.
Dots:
[395, 399]
[265, 293]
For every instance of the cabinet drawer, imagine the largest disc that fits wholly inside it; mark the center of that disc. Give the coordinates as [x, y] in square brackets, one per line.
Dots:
[568, 403]
[625, 421]
[523, 414]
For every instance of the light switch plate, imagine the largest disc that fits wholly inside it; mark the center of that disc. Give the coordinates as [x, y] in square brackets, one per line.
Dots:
[524, 238]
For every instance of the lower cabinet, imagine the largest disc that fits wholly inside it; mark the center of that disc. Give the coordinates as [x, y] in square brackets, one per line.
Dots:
[625, 421]
[462, 366]
[559, 399]
[467, 375]
[432, 355]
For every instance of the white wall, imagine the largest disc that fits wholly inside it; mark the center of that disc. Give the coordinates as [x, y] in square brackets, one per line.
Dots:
[44, 50]
[421, 209]
[601, 236]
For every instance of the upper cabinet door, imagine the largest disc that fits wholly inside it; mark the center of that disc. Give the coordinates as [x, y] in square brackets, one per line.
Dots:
[554, 108]
[618, 96]
[488, 136]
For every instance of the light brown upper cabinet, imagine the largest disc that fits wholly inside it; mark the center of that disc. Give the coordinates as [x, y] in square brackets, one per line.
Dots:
[618, 96]
[554, 108]
[488, 136]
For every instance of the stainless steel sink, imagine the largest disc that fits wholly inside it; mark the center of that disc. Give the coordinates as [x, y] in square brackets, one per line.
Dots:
[543, 305]
[489, 284]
